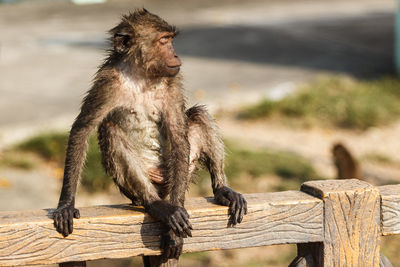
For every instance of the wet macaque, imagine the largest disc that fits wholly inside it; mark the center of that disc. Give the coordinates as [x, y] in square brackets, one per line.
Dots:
[346, 165]
[150, 143]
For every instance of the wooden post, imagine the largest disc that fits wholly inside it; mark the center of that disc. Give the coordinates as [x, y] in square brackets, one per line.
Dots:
[351, 225]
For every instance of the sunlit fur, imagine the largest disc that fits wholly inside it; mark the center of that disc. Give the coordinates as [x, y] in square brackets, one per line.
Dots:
[143, 125]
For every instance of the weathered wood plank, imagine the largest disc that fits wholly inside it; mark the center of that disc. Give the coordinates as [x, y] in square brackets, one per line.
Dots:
[123, 231]
[351, 222]
[390, 206]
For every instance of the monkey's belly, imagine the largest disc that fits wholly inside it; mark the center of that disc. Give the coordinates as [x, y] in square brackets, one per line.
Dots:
[147, 140]
[143, 137]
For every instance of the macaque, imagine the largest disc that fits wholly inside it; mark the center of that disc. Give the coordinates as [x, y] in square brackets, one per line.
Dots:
[346, 165]
[151, 144]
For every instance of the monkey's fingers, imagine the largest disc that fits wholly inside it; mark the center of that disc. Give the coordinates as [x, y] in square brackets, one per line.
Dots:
[232, 211]
[238, 207]
[57, 222]
[163, 243]
[172, 252]
[186, 226]
[77, 215]
[186, 217]
[164, 248]
[65, 223]
[187, 230]
[168, 247]
[167, 252]
[70, 221]
[245, 206]
[242, 205]
[185, 214]
[178, 252]
[176, 227]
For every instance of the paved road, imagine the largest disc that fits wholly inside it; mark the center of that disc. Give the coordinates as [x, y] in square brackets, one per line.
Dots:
[232, 52]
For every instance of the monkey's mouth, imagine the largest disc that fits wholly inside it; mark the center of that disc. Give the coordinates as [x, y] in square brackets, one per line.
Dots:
[177, 67]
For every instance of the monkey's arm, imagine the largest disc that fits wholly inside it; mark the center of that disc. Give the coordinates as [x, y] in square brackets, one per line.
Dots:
[95, 106]
[178, 157]
[203, 131]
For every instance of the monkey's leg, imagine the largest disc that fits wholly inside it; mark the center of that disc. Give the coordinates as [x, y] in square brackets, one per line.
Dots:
[123, 161]
[206, 146]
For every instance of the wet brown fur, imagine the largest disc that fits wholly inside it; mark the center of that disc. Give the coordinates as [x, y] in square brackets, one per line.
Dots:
[150, 143]
[111, 105]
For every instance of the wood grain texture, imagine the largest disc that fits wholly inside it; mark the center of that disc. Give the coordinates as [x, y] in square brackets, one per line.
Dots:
[352, 222]
[390, 206]
[121, 231]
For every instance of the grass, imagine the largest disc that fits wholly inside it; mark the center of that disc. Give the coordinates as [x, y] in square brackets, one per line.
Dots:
[292, 168]
[51, 147]
[14, 159]
[377, 157]
[336, 101]
[94, 177]
[256, 163]
[240, 162]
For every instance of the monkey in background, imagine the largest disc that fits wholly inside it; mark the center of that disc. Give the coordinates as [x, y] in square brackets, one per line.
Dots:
[346, 165]
[150, 143]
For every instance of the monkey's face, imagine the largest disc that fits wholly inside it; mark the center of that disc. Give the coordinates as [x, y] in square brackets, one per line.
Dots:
[153, 52]
[145, 40]
[165, 62]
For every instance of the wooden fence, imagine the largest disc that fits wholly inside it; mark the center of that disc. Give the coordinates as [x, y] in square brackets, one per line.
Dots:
[334, 223]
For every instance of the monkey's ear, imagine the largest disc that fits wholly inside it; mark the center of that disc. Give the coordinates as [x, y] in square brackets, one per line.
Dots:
[122, 41]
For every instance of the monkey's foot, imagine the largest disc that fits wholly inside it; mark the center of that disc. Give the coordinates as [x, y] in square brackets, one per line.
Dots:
[236, 202]
[63, 219]
[172, 245]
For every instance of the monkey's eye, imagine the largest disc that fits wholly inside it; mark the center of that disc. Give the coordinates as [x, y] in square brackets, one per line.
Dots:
[164, 40]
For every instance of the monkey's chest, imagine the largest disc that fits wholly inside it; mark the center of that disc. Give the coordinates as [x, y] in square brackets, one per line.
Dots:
[141, 124]
[144, 128]
[140, 118]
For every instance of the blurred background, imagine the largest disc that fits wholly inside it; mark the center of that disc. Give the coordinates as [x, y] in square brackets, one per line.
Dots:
[285, 80]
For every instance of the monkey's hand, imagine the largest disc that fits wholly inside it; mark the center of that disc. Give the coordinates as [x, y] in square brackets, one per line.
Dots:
[236, 202]
[171, 244]
[175, 217]
[63, 219]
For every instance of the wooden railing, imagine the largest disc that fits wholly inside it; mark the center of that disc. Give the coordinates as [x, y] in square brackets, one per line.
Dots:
[334, 223]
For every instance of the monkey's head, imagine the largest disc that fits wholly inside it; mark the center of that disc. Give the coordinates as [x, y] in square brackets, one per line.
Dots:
[145, 40]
